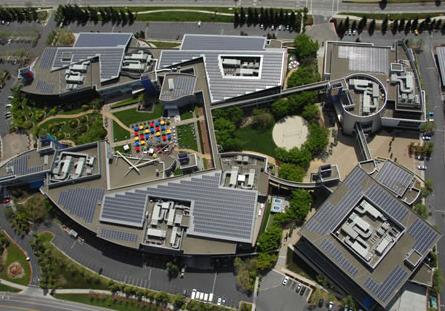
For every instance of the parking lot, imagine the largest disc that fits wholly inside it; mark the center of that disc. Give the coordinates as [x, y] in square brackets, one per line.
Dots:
[274, 295]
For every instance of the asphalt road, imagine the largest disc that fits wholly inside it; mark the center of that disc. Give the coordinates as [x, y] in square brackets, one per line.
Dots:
[11, 301]
[317, 7]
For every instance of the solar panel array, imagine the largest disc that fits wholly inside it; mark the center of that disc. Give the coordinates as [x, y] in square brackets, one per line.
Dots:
[44, 87]
[110, 59]
[47, 57]
[126, 208]
[440, 52]
[365, 59]
[226, 43]
[385, 290]
[20, 166]
[394, 177]
[110, 234]
[389, 204]
[222, 88]
[425, 236]
[184, 85]
[217, 212]
[336, 255]
[102, 39]
[81, 202]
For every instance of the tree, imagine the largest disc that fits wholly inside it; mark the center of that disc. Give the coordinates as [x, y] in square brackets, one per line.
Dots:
[362, 24]
[306, 74]
[262, 119]
[318, 139]
[236, 19]
[242, 16]
[395, 26]
[266, 261]
[385, 25]
[371, 27]
[421, 210]
[427, 127]
[305, 48]
[178, 301]
[300, 204]
[291, 172]
[4, 242]
[437, 280]
[270, 240]
[172, 269]
[427, 188]
[311, 112]
[280, 108]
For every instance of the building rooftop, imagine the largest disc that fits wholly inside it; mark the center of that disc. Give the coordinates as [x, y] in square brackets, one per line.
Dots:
[395, 178]
[409, 237]
[102, 39]
[28, 163]
[176, 86]
[235, 66]
[440, 53]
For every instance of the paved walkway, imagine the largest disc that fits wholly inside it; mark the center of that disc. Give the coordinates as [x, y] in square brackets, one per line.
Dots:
[66, 116]
[12, 284]
[122, 108]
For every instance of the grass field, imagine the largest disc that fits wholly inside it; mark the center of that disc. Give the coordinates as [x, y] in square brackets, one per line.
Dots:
[16, 254]
[119, 133]
[164, 44]
[105, 303]
[186, 115]
[263, 141]
[131, 116]
[6, 288]
[187, 137]
[184, 17]
[71, 274]
[125, 102]
[266, 214]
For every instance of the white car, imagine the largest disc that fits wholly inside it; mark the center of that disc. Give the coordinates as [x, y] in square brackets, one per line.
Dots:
[421, 167]
[218, 302]
[193, 294]
[199, 23]
[330, 305]
[285, 280]
[426, 137]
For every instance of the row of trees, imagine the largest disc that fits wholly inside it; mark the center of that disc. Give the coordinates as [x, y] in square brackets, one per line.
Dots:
[270, 17]
[68, 13]
[19, 14]
[393, 25]
[269, 241]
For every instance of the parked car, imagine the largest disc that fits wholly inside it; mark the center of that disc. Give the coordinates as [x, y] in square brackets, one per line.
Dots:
[285, 280]
[218, 302]
[421, 167]
[320, 303]
[10, 97]
[330, 305]
[302, 290]
[430, 114]
[298, 288]
[426, 137]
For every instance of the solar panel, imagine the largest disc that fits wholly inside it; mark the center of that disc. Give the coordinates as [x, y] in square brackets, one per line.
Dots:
[217, 212]
[110, 234]
[46, 59]
[20, 166]
[336, 255]
[81, 202]
[102, 39]
[424, 236]
[44, 87]
[394, 178]
[110, 59]
[386, 289]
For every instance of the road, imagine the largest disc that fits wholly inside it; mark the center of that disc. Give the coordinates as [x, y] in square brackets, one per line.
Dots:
[12, 301]
[316, 7]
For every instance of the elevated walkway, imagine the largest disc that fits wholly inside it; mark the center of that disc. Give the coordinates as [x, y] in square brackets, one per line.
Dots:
[269, 98]
[363, 145]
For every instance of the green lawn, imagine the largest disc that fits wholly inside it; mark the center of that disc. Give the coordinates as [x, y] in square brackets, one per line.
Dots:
[197, 8]
[107, 302]
[184, 17]
[16, 254]
[259, 140]
[126, 102]
[266, 214]
[119, 133]
[187, 137]
[131, 116]
[69, 273]
[6, 288]
[72, 111]
[186, 115]
[164, 44]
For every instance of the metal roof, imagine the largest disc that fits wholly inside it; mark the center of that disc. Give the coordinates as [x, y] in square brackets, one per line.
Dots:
[110, 59]
[110, 234]
[222, 88]
[365, 58]
[394, 178]
[440, 52]
[102, 39]
[81, 202]
[197, 42]
[387, 278]
[216, 212]
[182, 85]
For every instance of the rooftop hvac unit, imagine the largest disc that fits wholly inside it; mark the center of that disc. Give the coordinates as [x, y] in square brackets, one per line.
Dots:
[171, 84]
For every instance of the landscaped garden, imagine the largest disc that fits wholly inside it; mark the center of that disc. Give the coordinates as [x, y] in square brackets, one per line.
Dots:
[84, 129]
[131, 116]
[126, 102]
[60, 271]
[14, 267]
[120, 133]
[187, 137]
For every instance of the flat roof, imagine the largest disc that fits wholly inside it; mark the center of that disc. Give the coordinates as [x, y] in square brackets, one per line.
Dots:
[28, 163]
[198, 42]
[395, 178]
[102, 39]
[440, 52]
[176, 86]
[223, 87]
[216, 212]
[384, 281]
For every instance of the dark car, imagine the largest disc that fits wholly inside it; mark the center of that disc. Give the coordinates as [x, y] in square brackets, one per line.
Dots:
[303, 290]
[321, 302]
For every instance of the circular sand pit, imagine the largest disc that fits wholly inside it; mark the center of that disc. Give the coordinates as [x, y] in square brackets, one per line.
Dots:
[15, 270]
[290, 132]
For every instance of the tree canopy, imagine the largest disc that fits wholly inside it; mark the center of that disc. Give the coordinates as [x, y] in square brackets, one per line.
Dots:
[305, 48]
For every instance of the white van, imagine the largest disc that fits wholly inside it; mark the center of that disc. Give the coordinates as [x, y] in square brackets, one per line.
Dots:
[201, 296]
[193, 294]
[210, 297]
[206, 296]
